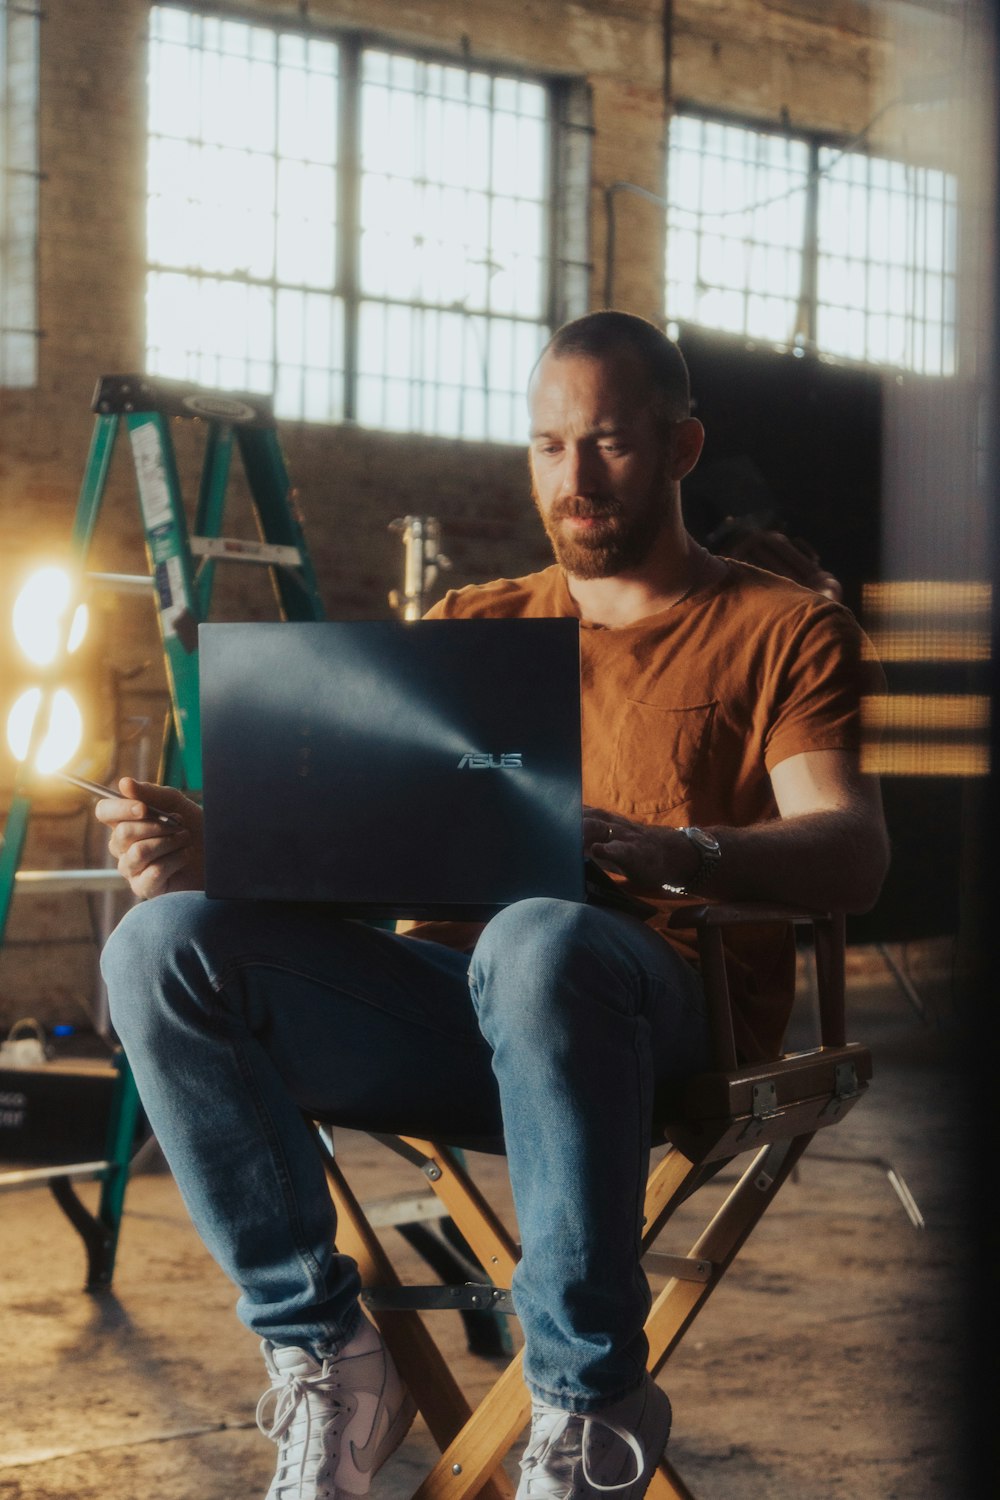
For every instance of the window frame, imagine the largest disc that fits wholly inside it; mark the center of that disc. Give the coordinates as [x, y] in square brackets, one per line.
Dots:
[567, 173]
[19, 182]
[804, 340]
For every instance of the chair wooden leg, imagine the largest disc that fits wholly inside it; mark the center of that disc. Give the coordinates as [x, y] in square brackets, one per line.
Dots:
[483, 1443]
[671, 1174]
[474, 1444]
[667, 1484]
[503, 1414]
[679, 1301]
[494, 1247]
[442, 1404]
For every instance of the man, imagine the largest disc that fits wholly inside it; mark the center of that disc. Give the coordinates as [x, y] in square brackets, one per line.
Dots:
[720, 735]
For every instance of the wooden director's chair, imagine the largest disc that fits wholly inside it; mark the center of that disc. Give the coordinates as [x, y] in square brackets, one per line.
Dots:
[768, 1110]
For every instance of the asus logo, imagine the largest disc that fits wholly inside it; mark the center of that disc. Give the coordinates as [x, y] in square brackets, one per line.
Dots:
[476, 761]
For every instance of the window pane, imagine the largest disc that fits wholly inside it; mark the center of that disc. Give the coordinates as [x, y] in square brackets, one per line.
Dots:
[218, 333]
[19, 32]
[735, 228]
[244, 214]
[433, 370]
[454, 219]
[310, 380]
[886, 245]
[242, 211]
[893, 302]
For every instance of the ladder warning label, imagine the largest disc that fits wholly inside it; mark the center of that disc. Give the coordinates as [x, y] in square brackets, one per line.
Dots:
[174, 611]
[154, 491]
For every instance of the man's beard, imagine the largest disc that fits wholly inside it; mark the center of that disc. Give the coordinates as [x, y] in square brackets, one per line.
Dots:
[613, 544]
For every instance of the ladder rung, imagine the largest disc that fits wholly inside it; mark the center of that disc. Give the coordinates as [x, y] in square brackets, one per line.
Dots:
[42, 882]
[123, 583]
[233, 549]
[31, 1176]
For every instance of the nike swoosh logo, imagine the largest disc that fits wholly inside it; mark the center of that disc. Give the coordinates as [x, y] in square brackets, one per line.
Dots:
[364, 1458]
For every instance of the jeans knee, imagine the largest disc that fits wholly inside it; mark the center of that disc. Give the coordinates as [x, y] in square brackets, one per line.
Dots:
[529, 962]
[148, 944]
[541, 933]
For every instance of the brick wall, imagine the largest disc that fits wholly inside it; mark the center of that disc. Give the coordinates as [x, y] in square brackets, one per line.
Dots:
[814, 63]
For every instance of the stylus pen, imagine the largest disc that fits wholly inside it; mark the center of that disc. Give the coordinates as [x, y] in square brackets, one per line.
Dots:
[155, 814]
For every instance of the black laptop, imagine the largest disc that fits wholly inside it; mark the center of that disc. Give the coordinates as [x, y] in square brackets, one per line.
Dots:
[427, 769]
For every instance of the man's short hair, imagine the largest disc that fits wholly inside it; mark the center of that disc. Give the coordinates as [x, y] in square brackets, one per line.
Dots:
[609, 332]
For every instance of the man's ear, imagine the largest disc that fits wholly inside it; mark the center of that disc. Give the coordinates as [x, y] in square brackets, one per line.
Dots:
[687, 439]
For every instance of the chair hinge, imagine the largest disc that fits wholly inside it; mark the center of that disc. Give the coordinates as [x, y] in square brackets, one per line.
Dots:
[845, 1087]
[764, 1107]
[765, 1101]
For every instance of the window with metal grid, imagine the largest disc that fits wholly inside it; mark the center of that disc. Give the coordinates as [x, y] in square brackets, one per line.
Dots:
[365, 233]
[18, 191]
[803, 244]
[736, 228]
[886, 262]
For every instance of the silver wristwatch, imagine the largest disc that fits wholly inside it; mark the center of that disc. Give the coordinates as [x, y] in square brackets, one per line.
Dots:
[709, 859]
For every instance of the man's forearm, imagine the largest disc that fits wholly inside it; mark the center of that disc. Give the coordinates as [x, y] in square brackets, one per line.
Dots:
[834, 859]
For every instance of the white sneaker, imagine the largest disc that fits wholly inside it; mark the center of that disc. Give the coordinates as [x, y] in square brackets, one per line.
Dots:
[335, 1422]
[574, 1456]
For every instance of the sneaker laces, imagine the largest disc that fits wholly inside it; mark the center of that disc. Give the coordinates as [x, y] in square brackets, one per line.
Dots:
[291, 1421]
[559, 1442]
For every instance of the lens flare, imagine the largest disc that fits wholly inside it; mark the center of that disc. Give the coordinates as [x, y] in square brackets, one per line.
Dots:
[61, 737]
[38, 616]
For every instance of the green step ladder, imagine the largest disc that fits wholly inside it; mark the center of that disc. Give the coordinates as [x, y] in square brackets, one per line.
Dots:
[181, 566]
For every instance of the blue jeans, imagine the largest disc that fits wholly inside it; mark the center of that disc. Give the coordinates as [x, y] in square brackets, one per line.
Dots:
[240, 1018]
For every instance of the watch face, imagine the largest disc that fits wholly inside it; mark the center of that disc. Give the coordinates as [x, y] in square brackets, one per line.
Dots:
[704, 840]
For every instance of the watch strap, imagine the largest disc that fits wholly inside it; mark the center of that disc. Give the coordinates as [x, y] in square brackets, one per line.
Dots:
[709, 858]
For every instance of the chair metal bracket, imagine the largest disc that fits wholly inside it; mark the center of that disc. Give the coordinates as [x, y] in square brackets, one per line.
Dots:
[764, 1107]
[845, 1087]
[765, 1101]
[771, 1161]
[409, 1153]
[680, 1267]
[473, 1297]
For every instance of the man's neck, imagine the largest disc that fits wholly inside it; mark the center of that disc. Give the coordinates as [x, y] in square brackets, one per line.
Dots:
[664, 579]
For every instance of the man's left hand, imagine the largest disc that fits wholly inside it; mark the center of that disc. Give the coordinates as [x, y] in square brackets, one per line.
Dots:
[645, 856]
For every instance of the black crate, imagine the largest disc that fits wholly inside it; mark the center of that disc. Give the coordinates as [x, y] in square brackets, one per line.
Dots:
[57, 1112]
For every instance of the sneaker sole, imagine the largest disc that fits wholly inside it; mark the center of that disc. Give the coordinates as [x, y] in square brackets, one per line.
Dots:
[656, 1442]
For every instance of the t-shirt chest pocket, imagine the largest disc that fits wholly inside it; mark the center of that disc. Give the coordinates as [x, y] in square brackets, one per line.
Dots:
[659, 753]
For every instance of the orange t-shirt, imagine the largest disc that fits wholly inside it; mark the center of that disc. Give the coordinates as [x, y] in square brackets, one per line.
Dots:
[684, 715]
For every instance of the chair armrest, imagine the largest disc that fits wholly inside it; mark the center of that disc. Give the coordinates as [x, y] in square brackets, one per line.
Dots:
[721, 914]
[709, 921]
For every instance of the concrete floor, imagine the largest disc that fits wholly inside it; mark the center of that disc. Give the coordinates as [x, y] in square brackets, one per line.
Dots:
[828, 1364]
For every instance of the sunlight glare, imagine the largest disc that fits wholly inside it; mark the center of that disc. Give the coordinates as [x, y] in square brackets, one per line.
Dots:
[61, 738]
[38, 616]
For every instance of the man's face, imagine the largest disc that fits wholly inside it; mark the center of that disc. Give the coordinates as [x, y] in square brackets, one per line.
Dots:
[600, 460]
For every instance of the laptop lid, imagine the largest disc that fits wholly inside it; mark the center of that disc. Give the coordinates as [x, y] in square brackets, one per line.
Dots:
[427, 769]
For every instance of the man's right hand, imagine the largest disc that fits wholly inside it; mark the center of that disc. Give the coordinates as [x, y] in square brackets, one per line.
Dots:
[151, 859]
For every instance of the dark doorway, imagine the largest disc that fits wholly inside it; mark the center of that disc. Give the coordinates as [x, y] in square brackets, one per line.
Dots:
[797, 443]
